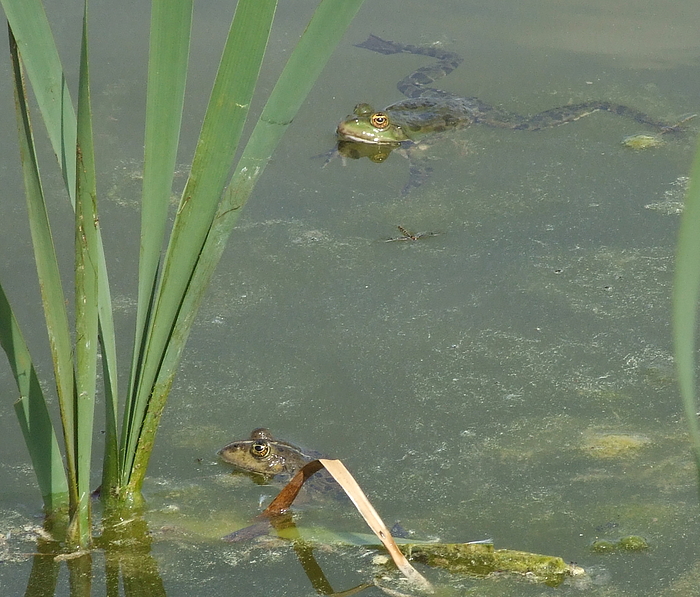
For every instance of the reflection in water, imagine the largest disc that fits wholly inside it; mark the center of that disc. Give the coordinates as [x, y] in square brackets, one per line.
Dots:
[356, 151]
[45, 565]
[126, 544]
[312, 569]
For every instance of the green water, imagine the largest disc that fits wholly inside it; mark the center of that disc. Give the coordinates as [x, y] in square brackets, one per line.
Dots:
[509, 378]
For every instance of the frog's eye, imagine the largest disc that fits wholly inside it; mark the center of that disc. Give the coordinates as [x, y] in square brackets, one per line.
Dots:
[260, 449]
[363, 110]
[379, 120]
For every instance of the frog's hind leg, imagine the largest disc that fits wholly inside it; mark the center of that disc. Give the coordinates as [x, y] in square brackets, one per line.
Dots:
[573, 112]
[416, 84]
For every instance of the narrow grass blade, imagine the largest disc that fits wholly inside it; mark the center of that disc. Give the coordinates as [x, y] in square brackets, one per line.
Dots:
[86, 294]
[323, 33]
[108, 350]
[686, 291]
[311, 54]
[171, 22]
[53, 299]
[40, 57]
[36, 45]
[308, 59]
[32, 413]
[216, 148]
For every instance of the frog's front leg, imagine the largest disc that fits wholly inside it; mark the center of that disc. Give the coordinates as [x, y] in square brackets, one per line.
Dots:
[419, 168]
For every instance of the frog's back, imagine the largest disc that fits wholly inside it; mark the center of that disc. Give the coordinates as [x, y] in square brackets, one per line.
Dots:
[431, 114]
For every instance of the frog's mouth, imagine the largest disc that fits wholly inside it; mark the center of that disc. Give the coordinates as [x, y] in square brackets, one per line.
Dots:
[347, 132]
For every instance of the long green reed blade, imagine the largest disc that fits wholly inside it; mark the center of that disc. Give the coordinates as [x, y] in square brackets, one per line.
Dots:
[27, 20]
[171, 22]
[46, 263]
[40, 57]
[108, 349]
[36, 45]
[223, 124]
[86, 295]
[323, 33]
[686, 291]
[32, 412]
[327, 26]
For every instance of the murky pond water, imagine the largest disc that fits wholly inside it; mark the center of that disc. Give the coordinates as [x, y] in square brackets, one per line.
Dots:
[510, 377]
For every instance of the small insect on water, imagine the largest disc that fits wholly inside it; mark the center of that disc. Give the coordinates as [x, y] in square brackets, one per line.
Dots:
[406, 235]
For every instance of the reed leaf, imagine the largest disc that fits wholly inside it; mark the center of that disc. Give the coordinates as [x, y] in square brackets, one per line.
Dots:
[35, 42]
[326, 27]
[30, 27]
[40, 57]
[218, 141]
[108, 351]
[171, 22]
[33, 415]
[86, 294]
[170, 288]
[47, 269]
[308, 59]
[686, 291]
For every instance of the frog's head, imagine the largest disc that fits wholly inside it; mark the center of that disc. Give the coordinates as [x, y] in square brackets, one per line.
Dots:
[365, 125]
[259, 454]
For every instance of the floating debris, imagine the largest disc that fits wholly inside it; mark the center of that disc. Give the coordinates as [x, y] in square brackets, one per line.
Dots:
[406, 235]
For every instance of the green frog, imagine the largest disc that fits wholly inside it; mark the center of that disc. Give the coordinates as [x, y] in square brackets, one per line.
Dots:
[374, 134]
[276, 460]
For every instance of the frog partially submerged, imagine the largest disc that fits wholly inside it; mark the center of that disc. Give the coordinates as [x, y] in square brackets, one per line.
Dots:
[375, 134]
[277, 460]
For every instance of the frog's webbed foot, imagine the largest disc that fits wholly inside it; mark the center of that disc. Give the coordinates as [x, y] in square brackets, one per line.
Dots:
[678, 126]
[646, 141]
[419, 168]
[418, 173]
[328, 156]
[383, 46]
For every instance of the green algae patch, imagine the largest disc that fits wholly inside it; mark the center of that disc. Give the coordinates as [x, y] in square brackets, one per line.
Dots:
[481, 560]
[476, 560]
[629, 543]
[603, 546]
[643, 141]
[614, 445]
[633, 543]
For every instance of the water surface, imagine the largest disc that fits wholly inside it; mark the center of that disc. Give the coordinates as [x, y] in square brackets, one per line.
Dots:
[471, 380]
